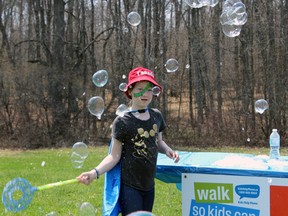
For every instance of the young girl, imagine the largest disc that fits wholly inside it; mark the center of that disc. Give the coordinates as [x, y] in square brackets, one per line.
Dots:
[136, 141]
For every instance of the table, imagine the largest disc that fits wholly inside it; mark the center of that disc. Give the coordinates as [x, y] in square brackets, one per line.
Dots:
[226, 184]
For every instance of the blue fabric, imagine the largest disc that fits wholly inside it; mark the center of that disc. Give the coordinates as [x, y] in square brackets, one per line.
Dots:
[112, 184]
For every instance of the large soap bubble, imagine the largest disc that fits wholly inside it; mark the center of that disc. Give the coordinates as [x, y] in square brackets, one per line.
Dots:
[171, 65]
[134, 18]
[100, 78]
[87, 209]
[96, 106]
[232, 18]
[79, 154]
[261, 105]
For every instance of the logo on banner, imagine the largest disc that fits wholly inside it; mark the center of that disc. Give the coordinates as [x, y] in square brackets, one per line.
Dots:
[247, 191]
[217, 199]
[213, 192]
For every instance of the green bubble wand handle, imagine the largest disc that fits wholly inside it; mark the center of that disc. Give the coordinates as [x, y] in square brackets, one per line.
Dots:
[56, 184]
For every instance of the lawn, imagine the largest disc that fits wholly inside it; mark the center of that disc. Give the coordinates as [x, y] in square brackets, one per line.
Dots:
[66, 200]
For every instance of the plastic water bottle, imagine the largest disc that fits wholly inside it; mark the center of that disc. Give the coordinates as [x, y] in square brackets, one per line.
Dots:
[274, 142]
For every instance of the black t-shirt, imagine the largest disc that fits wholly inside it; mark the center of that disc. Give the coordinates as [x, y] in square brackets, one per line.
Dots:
[139, 148]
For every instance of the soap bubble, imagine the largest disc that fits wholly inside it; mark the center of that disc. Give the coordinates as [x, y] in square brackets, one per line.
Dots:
[235, 15]
[121, 110]
[43, 163]
[194, 3]
[79, 153]
[156, 90]
[172, 65]
[261, 105]
[239, 8]
[205, 2]
[126, 29]
[76, 160]
[201, 3]
[141, 213]
[231, 30]
[225, 18]
[96, 106]
[241, 20]
[230, 3]
[81, 148]
[87, 209]
[232, 18]
[100, 78]
[134, 18]
[123, 87]
[52, 214]
[213, 3]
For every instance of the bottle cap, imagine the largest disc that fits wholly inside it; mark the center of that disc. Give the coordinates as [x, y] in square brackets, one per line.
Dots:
[274, 130]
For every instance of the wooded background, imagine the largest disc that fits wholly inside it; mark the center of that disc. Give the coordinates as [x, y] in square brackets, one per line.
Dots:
[50, 50]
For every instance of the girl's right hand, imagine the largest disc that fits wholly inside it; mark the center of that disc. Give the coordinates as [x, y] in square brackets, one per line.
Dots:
[87, 177]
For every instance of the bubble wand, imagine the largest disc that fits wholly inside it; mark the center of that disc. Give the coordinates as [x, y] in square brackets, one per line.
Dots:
[23, 187]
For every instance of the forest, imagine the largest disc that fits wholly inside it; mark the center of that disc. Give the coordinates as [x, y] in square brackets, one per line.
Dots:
[50, 50]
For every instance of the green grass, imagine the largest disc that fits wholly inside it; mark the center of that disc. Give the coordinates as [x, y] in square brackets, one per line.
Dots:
[66, 200]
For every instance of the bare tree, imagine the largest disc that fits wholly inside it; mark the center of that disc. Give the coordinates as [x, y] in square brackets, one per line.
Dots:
[50, 50]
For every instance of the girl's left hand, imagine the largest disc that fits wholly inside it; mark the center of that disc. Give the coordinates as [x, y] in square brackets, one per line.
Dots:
[173, 155]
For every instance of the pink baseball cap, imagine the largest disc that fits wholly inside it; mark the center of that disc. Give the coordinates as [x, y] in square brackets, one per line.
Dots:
[140, 74]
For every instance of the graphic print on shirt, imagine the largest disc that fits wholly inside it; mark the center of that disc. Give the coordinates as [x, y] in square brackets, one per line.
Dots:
[139, 141]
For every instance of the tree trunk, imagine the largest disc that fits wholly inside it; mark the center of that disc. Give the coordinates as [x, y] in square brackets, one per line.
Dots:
[56, 77]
